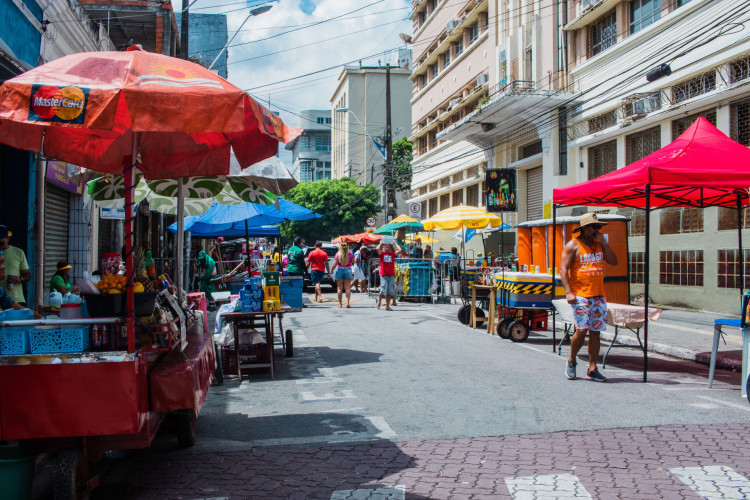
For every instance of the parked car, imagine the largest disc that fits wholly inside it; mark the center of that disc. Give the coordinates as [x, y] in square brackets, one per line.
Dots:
[329, 248]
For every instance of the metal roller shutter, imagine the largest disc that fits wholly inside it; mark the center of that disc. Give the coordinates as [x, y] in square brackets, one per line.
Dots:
[534, 194]
[56, 220]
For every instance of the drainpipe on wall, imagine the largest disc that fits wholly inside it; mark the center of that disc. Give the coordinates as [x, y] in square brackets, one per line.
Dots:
[41, 174]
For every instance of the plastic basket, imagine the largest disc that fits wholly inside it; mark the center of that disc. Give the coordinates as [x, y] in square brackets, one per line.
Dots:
[59, 340]
[14, 341]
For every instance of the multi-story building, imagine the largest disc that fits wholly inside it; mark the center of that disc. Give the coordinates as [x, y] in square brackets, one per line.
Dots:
[311, 150]
[646, 70]
[488, 78]
[359, 121]
[207, 36]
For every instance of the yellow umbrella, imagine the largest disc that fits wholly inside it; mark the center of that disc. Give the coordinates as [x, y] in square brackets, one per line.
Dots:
[403, 218]
[422, 239]
[462, 216]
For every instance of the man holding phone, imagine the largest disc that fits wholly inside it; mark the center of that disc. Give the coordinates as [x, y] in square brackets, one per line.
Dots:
[582, 275]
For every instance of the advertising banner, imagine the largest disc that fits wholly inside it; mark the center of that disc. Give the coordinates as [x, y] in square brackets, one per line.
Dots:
[501, 190]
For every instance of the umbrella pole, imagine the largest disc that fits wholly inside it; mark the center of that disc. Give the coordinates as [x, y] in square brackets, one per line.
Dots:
[179, 278]
[739, 239]
[247, 247]
[129, 178]
[646, 282]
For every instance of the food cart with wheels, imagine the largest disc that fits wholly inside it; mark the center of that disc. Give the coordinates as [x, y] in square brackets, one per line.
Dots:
[124, 110]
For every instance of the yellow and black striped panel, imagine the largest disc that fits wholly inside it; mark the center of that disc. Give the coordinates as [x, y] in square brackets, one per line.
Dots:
[522, 288]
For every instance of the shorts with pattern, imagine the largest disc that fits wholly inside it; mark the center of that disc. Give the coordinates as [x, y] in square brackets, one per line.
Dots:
[387, 285]
[590, 313]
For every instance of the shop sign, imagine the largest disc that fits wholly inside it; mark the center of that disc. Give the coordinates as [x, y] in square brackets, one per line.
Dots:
[501, 190]
[112, 213]
[57, 173]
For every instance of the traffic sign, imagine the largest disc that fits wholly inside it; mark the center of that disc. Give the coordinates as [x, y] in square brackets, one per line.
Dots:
[415, 210]
[371, 221]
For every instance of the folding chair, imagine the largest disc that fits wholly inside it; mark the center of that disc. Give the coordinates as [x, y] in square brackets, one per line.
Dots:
[744, 327]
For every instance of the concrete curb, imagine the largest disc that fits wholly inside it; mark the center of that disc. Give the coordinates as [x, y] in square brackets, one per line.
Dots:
[722, 362]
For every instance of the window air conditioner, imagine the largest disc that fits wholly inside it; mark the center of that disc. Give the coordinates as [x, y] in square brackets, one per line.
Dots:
[454, 102]
[452, 24]
[483, 78]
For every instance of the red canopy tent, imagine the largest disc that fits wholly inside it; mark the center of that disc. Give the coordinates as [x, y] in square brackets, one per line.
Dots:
[701, 168]
[366, 238]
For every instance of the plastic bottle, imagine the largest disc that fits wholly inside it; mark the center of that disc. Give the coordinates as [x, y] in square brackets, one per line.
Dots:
[95, 336]
[55, 300]
[150, 264]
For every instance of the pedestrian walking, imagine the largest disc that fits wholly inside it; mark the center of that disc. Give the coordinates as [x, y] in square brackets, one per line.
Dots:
[342, 269]
[360, 260]
[582, 276]
[204, 261]
[387, 254]
[317, 263]
[16, 268]
[296, 255]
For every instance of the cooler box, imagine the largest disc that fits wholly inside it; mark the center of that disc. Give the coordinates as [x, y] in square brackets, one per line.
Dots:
[291, 290]
[527, 289]
[420, 279]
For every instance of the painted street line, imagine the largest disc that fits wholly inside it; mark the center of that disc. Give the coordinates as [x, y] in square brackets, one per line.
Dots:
[328, 396]
[380, 424]
[739, 406]
[548, 487]
[714, 481]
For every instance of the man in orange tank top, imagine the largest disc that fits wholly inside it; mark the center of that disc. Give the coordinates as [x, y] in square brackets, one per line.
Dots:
[582, 275]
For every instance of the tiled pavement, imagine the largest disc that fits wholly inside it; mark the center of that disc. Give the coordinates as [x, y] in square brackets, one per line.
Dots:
[668, 462]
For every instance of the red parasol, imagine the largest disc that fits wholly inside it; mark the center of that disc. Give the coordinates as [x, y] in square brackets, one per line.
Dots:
[100, 110]
[366, 238]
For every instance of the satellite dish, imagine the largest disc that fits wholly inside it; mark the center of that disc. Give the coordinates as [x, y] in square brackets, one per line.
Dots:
[406, 38]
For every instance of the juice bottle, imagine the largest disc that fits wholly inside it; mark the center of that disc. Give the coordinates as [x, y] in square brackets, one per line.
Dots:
[150, 264]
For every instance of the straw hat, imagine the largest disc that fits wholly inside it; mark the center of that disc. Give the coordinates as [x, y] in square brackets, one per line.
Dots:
[588, 219]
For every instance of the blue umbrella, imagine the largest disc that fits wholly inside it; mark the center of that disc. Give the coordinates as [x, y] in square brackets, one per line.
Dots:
[231, 230]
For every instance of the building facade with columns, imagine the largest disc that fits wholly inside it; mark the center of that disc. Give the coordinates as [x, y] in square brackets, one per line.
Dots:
[488, 81]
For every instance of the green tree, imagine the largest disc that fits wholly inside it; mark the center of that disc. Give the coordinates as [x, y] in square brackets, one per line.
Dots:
[402, 156]
[344, 205]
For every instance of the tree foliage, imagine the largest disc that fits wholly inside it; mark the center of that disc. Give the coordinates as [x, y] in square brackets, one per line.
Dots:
[344, 205]
[402, 156]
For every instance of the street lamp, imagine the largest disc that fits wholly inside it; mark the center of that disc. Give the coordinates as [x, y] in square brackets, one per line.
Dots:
[256, 11]
[347, 110]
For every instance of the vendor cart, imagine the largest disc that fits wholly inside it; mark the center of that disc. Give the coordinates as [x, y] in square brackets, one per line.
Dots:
[524, 303]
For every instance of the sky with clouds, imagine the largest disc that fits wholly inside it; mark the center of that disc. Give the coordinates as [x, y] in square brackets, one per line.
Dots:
[274, 50]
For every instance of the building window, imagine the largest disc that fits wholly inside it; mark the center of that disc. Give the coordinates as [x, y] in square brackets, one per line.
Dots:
[694, 87]
[472, 195]
[322, 143]
[433, 206]
[305, 143]
[445, 201]
[324, 120]
[458, 197]
[602, 34]
[682, 124]
[643, 13]
[728, 218]
[680, 3]
[602, 121]
[602, 159]
[739, 70]
[637, 267]
[458, 47]
[739, 122]
[681, 220]
[446, 58]
[433, 6]
[681, 267]
[642, 144]
[473, 32]
[435, 69]
[728, 268]
[531, 149]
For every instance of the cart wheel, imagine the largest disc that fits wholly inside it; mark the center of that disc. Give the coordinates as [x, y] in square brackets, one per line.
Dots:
[185, 429]
[464, 315]
[71, 475]
[502, 327]
[518, 331]
[289, 344]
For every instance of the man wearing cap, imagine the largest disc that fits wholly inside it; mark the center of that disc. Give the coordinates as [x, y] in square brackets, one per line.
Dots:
[16, 268]
[6, 301]
[582, 275]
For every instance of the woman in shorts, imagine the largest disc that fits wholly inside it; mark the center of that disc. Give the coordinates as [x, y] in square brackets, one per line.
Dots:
[342, 273]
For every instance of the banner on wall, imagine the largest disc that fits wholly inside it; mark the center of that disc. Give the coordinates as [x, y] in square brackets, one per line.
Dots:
[501, 190]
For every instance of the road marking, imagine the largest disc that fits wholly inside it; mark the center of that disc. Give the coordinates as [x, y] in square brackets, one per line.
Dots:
[398, 492]
[380, 424]
[726, 403]
[549, 487]
[328, 396]
[714, 481]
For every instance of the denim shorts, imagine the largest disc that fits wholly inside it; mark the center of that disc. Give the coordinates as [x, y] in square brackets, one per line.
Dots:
[343, 273]
[387, 285]
[316, 277]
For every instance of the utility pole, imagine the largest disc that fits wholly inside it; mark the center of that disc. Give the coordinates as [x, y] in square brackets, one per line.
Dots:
[184, 28]
[390, 192]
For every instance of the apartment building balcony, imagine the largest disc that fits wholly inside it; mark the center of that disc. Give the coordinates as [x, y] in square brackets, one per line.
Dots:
[142, 21]
[506, 107]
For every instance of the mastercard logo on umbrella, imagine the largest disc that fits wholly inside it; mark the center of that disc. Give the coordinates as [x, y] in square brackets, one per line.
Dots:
[51, 103]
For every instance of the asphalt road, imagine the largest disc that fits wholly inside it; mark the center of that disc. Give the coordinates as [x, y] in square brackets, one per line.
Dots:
[364, 377]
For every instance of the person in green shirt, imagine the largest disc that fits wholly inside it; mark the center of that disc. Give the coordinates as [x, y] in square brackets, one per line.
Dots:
[61, 279]
[206, 286]
[16, 268]
[296, 255]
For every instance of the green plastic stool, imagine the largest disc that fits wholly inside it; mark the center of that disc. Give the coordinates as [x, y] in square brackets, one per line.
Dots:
[16, 471]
